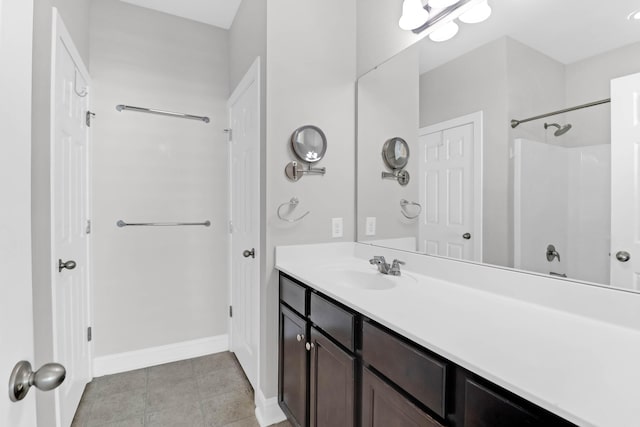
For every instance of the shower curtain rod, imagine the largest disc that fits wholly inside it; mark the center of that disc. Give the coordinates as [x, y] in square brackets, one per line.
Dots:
[122, 107]
[515, 123]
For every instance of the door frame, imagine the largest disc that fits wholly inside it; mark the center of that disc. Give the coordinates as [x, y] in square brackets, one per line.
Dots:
[252, 75]
[59, 30]
[477, 119]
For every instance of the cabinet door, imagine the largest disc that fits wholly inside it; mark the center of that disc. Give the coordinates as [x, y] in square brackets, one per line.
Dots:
[382, 406]
[293, 366]
[332, 376]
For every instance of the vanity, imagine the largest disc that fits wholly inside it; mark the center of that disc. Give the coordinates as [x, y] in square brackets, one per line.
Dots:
[443, 346]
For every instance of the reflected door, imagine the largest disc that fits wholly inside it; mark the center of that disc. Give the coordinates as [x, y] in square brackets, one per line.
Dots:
[449, 223]
[625, 182]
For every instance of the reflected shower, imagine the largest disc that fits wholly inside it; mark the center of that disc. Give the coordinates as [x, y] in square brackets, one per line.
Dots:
[561, 129]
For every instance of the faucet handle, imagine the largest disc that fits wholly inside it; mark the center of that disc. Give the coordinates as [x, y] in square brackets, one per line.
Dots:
[377, 260]
[397, 262]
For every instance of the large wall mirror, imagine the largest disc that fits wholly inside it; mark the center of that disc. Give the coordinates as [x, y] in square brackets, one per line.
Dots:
[537, 197]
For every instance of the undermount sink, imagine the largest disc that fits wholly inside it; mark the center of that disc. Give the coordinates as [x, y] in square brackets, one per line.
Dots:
[365, 279]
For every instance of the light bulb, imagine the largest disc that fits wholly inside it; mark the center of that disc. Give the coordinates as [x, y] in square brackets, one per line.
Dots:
[476, 14]
[413, 15]
[445, 32]
[441, 4]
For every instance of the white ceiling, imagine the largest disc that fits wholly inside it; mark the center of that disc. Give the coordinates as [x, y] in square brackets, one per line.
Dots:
[565, 30]
[219, 13]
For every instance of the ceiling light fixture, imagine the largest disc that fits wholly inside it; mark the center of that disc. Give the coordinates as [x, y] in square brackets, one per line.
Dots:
[441, 4]
[413, 16]
[476, 14]
[444, 33]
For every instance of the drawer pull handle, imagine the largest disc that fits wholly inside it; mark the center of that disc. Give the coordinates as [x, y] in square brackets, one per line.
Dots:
[299, 337]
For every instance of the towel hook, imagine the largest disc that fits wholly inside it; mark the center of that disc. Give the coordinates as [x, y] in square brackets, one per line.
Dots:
[75, 85]
[292, 203]
[403, 208]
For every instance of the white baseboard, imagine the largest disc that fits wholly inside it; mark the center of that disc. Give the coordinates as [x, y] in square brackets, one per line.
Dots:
[123, 362]
[268, 411]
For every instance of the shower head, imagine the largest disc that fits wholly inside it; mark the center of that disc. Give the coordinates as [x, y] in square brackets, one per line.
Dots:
[561, 129]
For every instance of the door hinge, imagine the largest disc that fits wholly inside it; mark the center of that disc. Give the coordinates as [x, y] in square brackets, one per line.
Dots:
[88, 229]
[89, 334]
[230, 311]
[229, 133]
[88, 118]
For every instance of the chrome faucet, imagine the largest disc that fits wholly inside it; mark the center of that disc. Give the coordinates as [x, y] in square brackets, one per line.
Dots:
[384, 267]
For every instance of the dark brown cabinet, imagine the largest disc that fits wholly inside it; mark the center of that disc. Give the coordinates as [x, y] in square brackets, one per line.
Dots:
[340, 369]
[293, 366]
[332, 384]
[382, 406]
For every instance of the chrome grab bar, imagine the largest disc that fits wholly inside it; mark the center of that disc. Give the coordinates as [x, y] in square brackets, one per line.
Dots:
[121, 224]
[122, 107]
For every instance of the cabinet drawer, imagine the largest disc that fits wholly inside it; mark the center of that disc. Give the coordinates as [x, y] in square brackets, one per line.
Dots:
[293, 294]
[485, 408]
[335, 321]
[419, 374]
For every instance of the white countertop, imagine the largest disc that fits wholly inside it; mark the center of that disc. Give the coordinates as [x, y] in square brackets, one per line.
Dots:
[584, 369]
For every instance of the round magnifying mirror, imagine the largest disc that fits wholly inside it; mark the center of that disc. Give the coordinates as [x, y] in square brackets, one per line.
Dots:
[395, 153]
[309, 143]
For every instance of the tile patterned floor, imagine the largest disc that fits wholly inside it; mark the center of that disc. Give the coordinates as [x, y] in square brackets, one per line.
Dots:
[208, 391]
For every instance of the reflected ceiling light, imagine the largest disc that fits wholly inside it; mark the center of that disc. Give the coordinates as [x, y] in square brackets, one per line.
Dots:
[413, 16]
[445, 32]
[476, 14]
[441, 4]
[635, 15]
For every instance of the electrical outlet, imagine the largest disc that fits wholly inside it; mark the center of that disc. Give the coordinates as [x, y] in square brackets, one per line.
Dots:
[336, 227]
[370, 226]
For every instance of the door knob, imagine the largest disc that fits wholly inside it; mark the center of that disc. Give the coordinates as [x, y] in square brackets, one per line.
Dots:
[466, 236]
[249, 253]
[46, 378]
[623, 256]
[69, 265]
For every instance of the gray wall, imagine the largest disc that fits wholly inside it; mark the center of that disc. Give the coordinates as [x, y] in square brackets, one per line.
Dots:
[75, 14]
[388, 98]
[311, 72]
[170, 284]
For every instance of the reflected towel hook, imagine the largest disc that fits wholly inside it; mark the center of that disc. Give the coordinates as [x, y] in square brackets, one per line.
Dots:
[403, 208]
[292, 205]
[75, 85]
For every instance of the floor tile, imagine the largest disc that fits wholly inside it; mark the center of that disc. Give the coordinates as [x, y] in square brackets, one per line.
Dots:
[227, 408]
[119, 383]
[117, 407]
[189, 415]
[170, 372]
[214, 362]
[180, 393]
[219, 382]
[246, 422]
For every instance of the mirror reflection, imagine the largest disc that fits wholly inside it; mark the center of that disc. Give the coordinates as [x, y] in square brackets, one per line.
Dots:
[507, 171]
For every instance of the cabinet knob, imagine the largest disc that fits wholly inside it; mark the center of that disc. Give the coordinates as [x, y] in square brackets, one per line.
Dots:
[299, 337]
[309, 346]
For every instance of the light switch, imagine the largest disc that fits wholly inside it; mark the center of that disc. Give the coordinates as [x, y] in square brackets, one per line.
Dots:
[370, 226]
[336, 227]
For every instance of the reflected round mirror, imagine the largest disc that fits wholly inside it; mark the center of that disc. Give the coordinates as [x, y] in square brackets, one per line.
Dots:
[395, 153]
[309, 143]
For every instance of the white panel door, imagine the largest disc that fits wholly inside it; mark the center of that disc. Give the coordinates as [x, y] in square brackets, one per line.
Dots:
[70, 232]
[244, 115]
[446, 188]
[625, 182]
[16, 315]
